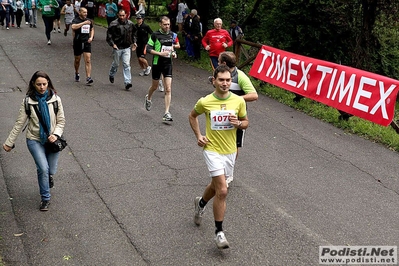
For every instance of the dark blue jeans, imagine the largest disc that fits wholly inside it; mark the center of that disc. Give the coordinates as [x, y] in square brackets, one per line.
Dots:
[5, 14]
[46, 164]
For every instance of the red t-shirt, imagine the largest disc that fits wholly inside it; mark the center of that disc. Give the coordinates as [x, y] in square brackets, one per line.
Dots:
[215, 39]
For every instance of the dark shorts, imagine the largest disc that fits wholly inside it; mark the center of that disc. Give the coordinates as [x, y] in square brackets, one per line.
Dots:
[165, 70]
[140, 50]
[79, 48]
[57, 14]
[240, 137]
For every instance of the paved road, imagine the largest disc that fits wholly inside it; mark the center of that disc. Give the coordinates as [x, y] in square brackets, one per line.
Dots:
[126, 183]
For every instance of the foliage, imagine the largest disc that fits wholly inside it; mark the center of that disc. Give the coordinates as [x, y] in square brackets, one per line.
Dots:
[359, 33]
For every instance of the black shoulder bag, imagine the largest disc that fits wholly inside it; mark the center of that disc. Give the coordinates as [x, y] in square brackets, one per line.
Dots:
[55, 146]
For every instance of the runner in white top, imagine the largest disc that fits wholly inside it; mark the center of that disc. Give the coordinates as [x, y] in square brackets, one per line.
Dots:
[68, 11]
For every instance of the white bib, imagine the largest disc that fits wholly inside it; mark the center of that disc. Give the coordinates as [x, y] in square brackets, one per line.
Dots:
[85, 29]
[220, 120]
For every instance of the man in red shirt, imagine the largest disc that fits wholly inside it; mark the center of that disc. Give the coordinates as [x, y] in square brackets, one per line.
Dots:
[216, 41]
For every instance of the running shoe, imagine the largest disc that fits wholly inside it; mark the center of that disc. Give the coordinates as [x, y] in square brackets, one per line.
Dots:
[198, 211]
[59, 30]
[7, 28]
[128, 86]
[229, 180]
[221, 241]
[147, 103]
[49, 42]
[167, 117]
[141, 73]
[111, 79]
[160, 85]
[147, 71]
[89, 81]
[77, 77]
[54, 30]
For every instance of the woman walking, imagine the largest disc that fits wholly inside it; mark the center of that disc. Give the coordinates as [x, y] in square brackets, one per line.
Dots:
[43, 105]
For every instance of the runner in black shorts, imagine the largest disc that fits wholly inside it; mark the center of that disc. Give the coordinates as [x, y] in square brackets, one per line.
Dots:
[143, 31]
[57, 17]
[162, 45]
[81, 47]
[83, 36]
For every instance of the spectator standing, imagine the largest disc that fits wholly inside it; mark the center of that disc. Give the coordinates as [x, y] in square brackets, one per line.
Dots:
[172, 14]
[143, 31]
[162, 45]
[216, 41]
[121, 36]
[83, 32]
[187, 35]
[41, 97]
[195, 34]
[47, 7]
[235, 33]
[125, 5]
[111, 11]
[68, 12]
[224, 113]
[142, 6]
[181, 7]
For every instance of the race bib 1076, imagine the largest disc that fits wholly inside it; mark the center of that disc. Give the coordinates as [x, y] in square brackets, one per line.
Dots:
[220, 120]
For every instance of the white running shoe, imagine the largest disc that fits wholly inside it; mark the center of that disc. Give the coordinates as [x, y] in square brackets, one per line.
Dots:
[147, 103]
[229, 180]
[198, 211]
[167, 117]
[221, 241]
[141, 73]
[160, 85]
[147, 71]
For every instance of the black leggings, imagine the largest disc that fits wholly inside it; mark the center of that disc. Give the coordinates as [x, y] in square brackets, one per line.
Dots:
[48, 24]
[19, 14]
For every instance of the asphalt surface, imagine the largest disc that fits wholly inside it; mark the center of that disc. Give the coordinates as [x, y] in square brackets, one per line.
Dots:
[126, 183]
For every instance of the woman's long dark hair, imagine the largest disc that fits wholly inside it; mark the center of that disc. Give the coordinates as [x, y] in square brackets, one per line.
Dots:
[31, 88]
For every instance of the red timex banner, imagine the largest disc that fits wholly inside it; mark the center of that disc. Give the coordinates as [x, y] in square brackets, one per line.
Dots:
[357, 92]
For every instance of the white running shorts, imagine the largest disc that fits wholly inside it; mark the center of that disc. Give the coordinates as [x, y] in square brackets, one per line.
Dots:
[219, 164]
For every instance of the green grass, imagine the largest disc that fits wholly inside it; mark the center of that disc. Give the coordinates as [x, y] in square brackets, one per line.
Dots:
[380, 134]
